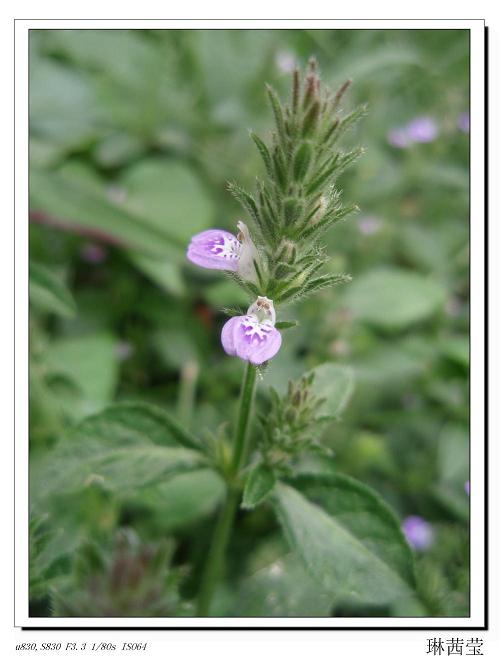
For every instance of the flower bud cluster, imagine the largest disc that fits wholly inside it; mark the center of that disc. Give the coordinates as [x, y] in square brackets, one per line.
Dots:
[292, 424]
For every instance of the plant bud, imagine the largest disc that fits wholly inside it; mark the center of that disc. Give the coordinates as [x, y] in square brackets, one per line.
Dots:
[287, 252]
[292, 210]
[302, 160]
[323, 202]
[311, 118]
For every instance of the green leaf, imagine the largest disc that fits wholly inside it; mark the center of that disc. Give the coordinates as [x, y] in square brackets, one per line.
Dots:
[347, 538]
[394, 298]
[283, 589]
[123, 448]
[166, 274]
[457, 349]
[453, 454]
[169, 196]
[259, 484]
[334, 383]
[76, 206]
[453, 469]
[184, 499]
[90, 361]
[62, 104]
[48, 293]
[282, 325]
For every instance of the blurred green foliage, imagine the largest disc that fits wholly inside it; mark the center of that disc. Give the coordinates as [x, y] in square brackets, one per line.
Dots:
[133, 137]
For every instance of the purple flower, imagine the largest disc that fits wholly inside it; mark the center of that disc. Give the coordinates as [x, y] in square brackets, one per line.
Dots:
[124, 350]
[418, 532]
[467, 487]
[285, 61]
[463, 122]
[399, 138]
[422, 130]
[253, 336]
[93, 253]
[221, 250]
[369, 225]
[215, 249]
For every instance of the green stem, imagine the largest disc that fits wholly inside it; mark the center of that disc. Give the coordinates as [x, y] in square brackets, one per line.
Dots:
[223, 528]
[245, 404]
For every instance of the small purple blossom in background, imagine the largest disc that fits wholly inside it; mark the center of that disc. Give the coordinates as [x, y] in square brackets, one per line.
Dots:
[220, 250]
[124, 350]
[93, 253]
[285, 61]
[463, 122]
[398, 138]
[422, 130]
[369, 225]
[418, 532]
[467, 487]
[253, 336]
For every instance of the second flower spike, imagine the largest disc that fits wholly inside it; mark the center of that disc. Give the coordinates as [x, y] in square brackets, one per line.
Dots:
[253, 336]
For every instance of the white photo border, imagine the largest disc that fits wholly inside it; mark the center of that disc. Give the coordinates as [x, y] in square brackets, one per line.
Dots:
[478, 618]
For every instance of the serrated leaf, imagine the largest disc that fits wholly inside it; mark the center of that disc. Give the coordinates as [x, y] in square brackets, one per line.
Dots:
[48, 293]
[347, 538]
[259, 484]
[123, 448]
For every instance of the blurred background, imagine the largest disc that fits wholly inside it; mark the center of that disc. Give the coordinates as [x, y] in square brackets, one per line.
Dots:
[133, 137]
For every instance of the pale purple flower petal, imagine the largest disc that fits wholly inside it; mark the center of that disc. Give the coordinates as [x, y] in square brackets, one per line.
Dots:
[228, 335]
[247, 254]
[250, 339]
[467, 487]
[422, 129]
[418, 532]
[215, 249]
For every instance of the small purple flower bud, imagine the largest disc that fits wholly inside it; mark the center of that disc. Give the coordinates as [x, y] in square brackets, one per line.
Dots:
[124, 350]
[285, 61]
[418, 532]
[93, 253]
[253, 336]
[463, 122]
[215, 249]
[422, 130]
[467, 487]
[369, 225]
[399, 138]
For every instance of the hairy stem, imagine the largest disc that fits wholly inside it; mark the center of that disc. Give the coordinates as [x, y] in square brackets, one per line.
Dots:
[223, 528]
